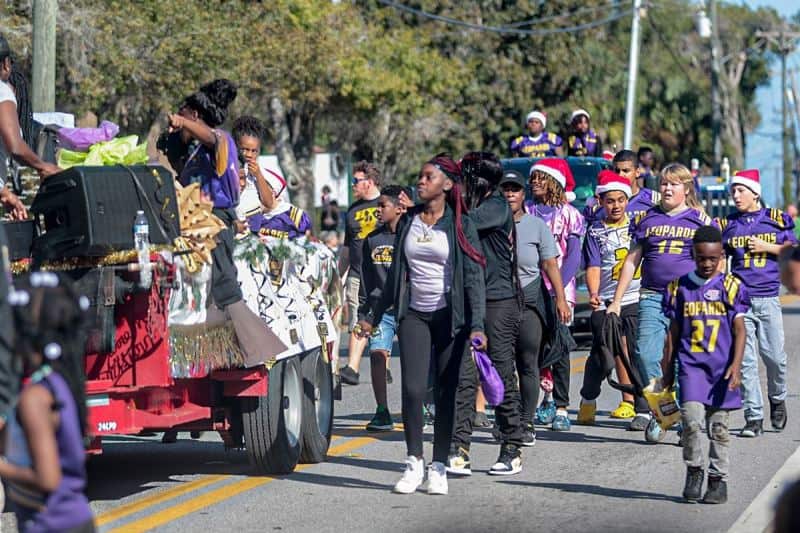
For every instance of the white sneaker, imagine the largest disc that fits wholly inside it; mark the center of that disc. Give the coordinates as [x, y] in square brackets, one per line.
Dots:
[412, 477]
[437, 478]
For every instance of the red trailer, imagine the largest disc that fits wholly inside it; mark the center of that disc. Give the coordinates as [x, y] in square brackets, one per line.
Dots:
[280, 412]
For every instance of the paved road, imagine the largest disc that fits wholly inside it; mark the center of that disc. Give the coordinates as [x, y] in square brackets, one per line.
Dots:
[596, 479]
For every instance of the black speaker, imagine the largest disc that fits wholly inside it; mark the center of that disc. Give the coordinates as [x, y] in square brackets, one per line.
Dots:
[89, 211]
[20, 238]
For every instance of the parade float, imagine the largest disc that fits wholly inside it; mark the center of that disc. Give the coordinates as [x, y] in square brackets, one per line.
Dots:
[158, 357]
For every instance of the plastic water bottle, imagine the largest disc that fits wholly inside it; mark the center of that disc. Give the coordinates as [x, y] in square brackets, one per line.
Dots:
[141, 242]
[725, 170]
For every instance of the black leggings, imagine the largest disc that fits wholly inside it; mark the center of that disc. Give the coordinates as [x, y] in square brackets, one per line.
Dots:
[422, 336]
[529, 345]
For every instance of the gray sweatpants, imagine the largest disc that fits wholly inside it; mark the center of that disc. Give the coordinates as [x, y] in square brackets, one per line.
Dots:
[693, 414]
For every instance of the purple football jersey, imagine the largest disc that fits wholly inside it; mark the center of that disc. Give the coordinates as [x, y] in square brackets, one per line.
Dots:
[544, 145]
[289, 224]
[759, 271]
[666, 243]
[704, 310]
[638, 204]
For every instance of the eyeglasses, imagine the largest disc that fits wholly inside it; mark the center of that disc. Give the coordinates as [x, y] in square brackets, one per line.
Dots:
[356, 181]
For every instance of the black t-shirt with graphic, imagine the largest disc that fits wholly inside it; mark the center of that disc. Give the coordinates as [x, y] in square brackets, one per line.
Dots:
[362, 219]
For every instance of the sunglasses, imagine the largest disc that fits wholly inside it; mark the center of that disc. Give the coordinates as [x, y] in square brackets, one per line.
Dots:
[356, 181]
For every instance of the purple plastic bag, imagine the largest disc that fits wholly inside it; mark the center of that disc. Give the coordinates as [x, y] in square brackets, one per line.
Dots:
[80, 139]
[491, 383]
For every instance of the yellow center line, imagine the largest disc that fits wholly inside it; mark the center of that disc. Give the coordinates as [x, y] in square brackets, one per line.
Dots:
[231, 490]
[134, 507]
[166, 495]
[226, 492]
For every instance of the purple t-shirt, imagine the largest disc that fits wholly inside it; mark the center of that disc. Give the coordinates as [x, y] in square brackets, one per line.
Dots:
[704, 311]
[289, 224]
[543, 145]
[759, 271]
[217, 171]
[638, 204]
[666, 243]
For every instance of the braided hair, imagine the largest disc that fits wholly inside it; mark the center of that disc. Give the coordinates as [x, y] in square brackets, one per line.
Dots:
[24, 109]
[49, 319]
[482, 173]
[455, 199]
[211, 101]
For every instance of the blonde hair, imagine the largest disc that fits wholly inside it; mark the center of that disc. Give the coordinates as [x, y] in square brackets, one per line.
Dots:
[554, 193]
[678, 173]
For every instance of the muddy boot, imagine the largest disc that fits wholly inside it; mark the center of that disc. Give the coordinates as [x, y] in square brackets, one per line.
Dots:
[717, 491]
[694, 484]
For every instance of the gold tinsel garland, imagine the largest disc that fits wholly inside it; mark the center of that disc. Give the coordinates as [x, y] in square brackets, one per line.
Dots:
[121, 257]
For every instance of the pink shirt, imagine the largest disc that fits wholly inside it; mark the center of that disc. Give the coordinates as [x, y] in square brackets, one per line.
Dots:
[563, 221]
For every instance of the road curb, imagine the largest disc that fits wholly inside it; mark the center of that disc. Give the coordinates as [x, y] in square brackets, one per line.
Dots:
[759, 514]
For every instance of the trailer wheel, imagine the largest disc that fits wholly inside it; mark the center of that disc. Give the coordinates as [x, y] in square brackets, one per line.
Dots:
[273, 423]
[317, 407]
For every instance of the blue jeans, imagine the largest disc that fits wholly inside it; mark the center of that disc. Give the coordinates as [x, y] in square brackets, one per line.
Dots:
[764, 324]
[653, 328]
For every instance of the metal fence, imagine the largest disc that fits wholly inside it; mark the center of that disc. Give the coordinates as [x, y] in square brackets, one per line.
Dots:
[717, 203]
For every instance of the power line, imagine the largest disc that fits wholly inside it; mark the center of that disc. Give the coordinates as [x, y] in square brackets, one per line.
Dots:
[569, 14]
[502, 29]
[673, 55]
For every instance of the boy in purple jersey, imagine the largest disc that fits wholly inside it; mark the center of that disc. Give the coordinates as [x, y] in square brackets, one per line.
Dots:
[661, 242]
[707, 337]
[538, 142]
[625, 163]
[754, 236]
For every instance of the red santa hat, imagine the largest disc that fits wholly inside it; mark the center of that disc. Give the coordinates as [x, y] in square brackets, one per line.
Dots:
[608, 155]
[749, 178]
[275, 181]
[559, 170]
[538, 115]
[611, 181]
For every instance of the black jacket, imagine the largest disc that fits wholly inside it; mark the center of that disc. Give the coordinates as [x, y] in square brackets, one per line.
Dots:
[495, 226]
[467, 297]
[556, 339]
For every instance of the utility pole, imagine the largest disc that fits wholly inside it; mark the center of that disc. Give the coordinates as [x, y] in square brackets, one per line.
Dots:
[716, 105]
[44, 55]
[784, 40]
[788, 195]
[633, 71]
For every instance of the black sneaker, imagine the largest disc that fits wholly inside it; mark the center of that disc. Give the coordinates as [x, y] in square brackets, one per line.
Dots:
[509, 462]
[348, 375]
[777, 415]
[717, 491]
[382, 421]
[481, 420]
[694, 484]
[753, 428]
[458, 463]
[528, 437]
[389, 378]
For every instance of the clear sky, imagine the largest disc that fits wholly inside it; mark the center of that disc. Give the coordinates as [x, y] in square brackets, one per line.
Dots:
[764, 144]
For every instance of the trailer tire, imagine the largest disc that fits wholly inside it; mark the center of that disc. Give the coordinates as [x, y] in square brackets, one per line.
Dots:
[273, 423]
[317, 407]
